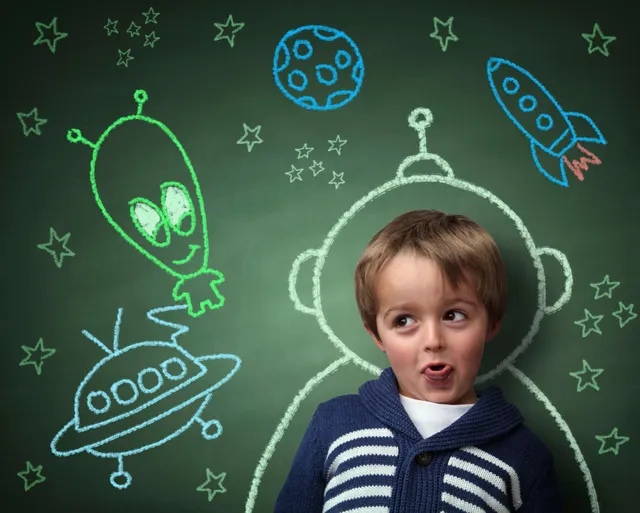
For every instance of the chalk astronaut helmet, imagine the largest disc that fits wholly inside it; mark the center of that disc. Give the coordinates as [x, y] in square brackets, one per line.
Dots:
[333, 302]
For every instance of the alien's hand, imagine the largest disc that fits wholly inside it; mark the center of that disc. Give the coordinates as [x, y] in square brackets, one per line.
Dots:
[200, 291]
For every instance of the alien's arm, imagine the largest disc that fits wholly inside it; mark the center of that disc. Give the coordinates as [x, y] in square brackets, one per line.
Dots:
[200, 291]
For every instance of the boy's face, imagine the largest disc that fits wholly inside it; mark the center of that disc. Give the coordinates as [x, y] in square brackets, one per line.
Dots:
[433, 334]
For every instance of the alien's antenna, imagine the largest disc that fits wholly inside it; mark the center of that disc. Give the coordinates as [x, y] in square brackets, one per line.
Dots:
[116, 330]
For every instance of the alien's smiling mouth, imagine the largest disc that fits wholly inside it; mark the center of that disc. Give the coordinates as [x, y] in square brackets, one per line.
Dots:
[194, 248]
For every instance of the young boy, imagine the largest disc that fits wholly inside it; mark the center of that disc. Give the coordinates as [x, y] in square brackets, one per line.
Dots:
[431, 290]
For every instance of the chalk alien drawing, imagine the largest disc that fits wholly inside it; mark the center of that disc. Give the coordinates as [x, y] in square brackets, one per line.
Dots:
[522, 97]
[172, 381]
[421, 184]
[179, 221]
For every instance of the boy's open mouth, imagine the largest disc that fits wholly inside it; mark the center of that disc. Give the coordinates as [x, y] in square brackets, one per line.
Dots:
[438, 371]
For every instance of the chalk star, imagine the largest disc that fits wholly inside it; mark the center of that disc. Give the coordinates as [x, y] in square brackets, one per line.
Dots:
[124, 58]
[333, 143]
[605, 283]
[255, 132]
[134, 29]
[624, 319]
[450, 36]
[148, 16]
[602, 46]
[303, 149]
[25, 476]
[620, 440]
[37, 363]
[34, 127]
[206, 486]
[111, 27]
[591, 382]
[337, 176]
[294, 171]
[151, 39]
[589, 317]
[51, 42]
[316, 168]
[234, 29]
[57, 254]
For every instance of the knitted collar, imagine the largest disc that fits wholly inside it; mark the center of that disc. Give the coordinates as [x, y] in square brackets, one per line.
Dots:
[490, 417]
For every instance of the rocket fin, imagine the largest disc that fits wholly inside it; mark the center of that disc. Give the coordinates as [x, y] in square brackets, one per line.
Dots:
[583, 124]
[562, 178]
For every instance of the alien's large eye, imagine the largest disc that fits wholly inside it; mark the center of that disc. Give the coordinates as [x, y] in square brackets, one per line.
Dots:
[150, 222]
[178, 207]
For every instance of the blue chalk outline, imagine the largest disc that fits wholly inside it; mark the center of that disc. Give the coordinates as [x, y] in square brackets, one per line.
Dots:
[493, 64]
[309, 102]
[93, 448]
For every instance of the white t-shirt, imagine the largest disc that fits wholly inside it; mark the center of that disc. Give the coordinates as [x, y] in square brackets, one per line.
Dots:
[430, 418]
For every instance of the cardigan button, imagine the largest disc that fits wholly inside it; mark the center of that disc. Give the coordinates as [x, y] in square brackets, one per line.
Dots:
[424, 458]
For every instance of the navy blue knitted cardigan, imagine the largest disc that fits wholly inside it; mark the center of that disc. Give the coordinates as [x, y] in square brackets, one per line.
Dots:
[362, 454]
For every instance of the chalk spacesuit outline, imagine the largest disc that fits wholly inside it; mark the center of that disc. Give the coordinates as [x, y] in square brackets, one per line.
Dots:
[419, 119]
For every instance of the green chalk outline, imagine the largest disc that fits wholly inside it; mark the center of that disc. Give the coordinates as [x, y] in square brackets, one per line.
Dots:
[596, 321]
[74, 135]
[111, 27]
[605, 282]
[52, 44]
[33, 113]
[620, 440]
[618, 314]
[39, 477]
[444, 41]
[591, 382]
[206, 486]
[58, 259]
[46, 353]
[606, 40]
[148, 16]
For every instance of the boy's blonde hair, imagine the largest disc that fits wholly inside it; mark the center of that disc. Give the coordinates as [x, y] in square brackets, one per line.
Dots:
[460, 247]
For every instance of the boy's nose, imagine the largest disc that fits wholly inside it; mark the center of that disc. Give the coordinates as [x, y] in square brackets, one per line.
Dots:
[433, 339]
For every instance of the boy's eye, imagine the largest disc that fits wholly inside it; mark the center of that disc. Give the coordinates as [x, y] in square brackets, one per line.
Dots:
[451, 316]
[402, 321]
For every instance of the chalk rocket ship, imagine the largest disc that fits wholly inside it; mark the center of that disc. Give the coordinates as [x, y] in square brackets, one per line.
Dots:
[538, 116]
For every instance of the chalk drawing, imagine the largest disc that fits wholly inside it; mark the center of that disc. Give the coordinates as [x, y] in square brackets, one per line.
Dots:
[524, 99]
[151, 16]
[598, 41]
[337, 179]
[337, 144]
[111, 27]
[31, 476]
[306, 79]
[148, 221]
[228, 30]
[36, 355]
[251, 136]
[134, 29]
[419, 120]
[605, 440]
[31, 122]
[590, 323]
[151, 39]
[587, 382]
[438, 25]
[50, 40]
[316, 168]
[57, 247]
[294, 174]
[207, 485]
[600, 287]
[124, 56]
[179, 381]
[624, 314]
[303, 152]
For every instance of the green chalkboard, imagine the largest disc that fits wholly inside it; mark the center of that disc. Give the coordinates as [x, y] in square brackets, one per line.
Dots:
[188, 186]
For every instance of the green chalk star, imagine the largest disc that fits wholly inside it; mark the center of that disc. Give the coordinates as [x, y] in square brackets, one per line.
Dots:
[584, 382]
[590, 318]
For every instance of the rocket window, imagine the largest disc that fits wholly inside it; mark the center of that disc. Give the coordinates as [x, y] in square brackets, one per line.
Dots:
[98, 402]
[174, 369]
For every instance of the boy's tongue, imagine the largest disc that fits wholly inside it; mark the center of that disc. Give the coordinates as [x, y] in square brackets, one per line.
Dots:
[438, 372]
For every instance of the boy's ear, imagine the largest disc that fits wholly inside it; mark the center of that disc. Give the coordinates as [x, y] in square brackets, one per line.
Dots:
[375, 339]
[493, 330]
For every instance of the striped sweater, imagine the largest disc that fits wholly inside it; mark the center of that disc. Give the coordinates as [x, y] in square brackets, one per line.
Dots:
[362, 454]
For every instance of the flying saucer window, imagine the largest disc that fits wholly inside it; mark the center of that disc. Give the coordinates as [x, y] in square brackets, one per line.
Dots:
[149, 384]
[124, 391]
[174, 369]
[178, 208]
[98, 402]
